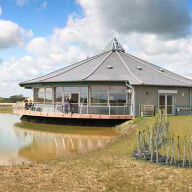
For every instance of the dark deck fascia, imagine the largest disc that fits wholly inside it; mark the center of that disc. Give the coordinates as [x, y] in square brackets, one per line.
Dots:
[74, 83]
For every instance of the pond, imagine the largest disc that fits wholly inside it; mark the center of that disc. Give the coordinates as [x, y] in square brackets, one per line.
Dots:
[29, 142]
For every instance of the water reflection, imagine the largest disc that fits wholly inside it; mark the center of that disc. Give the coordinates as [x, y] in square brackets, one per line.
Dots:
[43, 142]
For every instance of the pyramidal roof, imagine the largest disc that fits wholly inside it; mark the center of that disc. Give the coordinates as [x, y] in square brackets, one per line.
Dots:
[114, 65]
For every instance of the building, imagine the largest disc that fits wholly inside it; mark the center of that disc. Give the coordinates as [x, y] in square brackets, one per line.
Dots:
[110, 85]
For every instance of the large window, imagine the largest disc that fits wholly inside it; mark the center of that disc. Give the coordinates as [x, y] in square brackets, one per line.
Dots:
[99, 95]
[58, 94]
[48, 95]
[43, 95]
[83, 95]
[62, 93]
[117, 95]
[40, 94]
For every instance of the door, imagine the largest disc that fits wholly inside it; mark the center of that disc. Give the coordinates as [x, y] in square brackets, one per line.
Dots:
[166, 102]
[75, 99]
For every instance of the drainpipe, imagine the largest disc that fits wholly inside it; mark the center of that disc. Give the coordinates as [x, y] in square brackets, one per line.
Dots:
[133, 98]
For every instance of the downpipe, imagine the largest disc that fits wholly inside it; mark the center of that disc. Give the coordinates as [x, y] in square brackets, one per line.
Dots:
[133, 103]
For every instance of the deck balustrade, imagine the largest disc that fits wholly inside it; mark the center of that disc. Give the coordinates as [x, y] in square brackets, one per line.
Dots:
[110, 109]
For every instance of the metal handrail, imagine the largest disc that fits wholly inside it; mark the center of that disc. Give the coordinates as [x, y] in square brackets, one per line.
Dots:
[77, 108]
[54, 103]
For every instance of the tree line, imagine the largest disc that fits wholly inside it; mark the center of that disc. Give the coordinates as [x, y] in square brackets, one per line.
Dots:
[12, 99]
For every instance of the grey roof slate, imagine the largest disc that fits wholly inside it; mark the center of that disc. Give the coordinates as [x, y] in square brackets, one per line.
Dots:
[115, 65]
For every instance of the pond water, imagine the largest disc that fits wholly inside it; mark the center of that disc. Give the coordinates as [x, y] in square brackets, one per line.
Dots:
[29, 142]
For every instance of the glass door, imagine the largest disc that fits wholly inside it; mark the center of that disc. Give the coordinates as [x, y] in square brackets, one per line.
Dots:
[75, 99]
[166, 102]
[170, 104]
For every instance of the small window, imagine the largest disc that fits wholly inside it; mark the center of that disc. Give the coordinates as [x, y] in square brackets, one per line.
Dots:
[139, 68]
[162, 70]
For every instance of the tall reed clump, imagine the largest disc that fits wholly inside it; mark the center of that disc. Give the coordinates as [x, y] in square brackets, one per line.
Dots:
[151, 140]
[158, 145]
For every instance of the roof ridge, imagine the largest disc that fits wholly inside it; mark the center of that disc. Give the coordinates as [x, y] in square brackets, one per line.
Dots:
[128, 68]
[97, 66]
[142, 61]
[81, 63]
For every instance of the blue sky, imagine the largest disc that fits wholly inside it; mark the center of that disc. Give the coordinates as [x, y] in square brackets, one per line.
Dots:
[41, 23]
[40, 36]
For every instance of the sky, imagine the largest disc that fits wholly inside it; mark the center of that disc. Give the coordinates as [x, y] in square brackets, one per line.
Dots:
[40, 36]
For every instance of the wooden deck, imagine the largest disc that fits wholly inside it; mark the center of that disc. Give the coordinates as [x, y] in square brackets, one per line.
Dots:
[75, 115]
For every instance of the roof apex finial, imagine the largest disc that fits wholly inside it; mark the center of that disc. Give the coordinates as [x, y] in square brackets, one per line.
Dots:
[114, 45]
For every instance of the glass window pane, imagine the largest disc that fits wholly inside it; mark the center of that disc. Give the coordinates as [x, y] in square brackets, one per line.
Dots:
[41, 90]
[118, 89]
[59, 90]
[98, 89]
[71, 89]
[117, 98]
[162, 100]
[83, 89]
[169, 99]
[169, 110]
[48, 97]
[66, 96]
[99, 98]
[83, 98]
[58, 98]
[48, 90]
[40, 97]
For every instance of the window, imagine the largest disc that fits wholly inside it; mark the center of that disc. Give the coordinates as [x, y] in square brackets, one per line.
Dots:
[83, 89]
[58, 94]
[83, 95]
[58, 98]
[166, 102]
[83, 98]
[59, 90]
[71, 89]
[117, 96]
[41, 90]
[43, 95]
[99, 95]
[48, 95]
[40, 97]
[40, 94]
[66, 95]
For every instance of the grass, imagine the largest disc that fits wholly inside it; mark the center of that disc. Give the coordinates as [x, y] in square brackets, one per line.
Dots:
[109, 169]
[7, 109]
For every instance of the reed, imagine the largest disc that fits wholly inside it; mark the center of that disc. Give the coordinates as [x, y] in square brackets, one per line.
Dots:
[139, 143]
[157, 138]
[184, 150]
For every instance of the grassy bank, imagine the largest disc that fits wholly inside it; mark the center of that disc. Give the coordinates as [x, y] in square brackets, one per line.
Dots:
[108, 169]
[6, 109]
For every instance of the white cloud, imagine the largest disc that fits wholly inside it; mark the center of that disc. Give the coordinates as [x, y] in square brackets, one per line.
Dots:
[90, 33]
[1, 11]
[44, 4]
[20, 2]
[42, 7]
[38, 46]
[12, 35]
